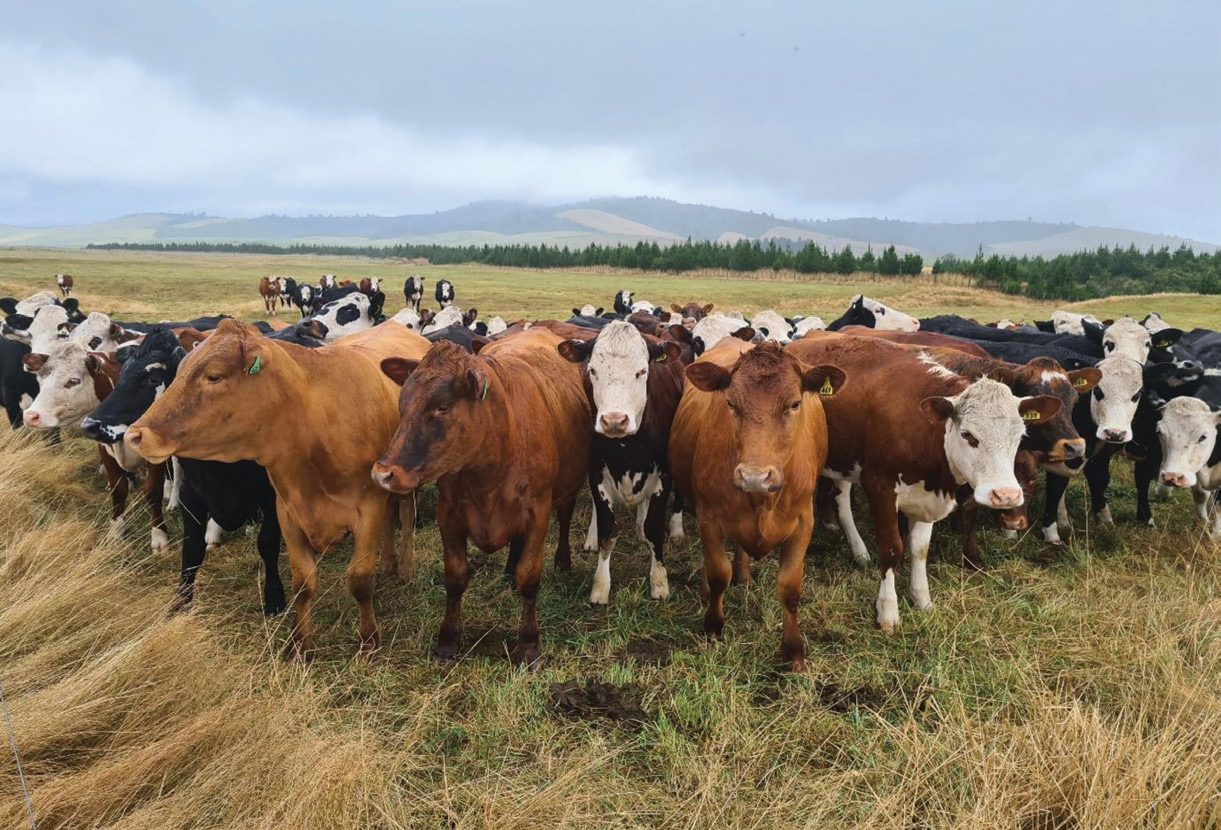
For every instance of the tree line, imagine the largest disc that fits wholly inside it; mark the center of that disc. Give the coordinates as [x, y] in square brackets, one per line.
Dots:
[1081, 276]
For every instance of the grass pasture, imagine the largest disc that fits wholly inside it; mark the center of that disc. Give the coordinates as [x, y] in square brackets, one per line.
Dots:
[1074, 688]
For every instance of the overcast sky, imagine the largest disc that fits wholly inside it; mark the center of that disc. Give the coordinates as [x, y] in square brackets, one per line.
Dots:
[1102, 113]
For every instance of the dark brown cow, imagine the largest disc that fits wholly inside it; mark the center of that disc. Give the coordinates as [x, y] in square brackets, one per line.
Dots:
[692, 311]
[505, 434]
[269, 290]
[343, 411]
[912, 434]
[916, 338]
[748, 442]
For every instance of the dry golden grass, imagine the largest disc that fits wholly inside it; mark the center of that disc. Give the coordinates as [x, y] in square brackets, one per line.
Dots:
[1072, 689]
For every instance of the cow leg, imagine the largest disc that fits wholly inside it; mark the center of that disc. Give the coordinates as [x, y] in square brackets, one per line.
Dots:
[118, 484]
[825, 507]
[607, 535]
[717, 572]
[676, 518]
[457, 576]
[194, 512]
[362, 570]
[882, 506]
[1098, 477]
[408, 506]
[214, 535]
[1145, 473]
[741, 568]
[970, 548]
[655, 535]
[563, 548]
[843, 507]
[269, 551]
[303, 563]
[1055, 487]
[154, 496]
[529, 570]
[788, 590]
[917, 543]
[1200, 496]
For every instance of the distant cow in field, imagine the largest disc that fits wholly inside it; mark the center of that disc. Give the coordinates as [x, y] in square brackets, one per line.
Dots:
[748, 442]
[692, 311]
[288, 287]
[328, 281]
[65, 283]
[413, 291]
[445, 293]
[269, 290]
[505, 435]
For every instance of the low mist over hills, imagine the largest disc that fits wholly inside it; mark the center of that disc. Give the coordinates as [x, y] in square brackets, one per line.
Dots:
[604, 221]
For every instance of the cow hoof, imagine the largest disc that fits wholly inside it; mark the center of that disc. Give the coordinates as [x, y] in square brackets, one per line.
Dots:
[922, 603]
[212, 547]
[659, 582]
[160, 540]
[446, 652]
[676, 527]
[1051, 535]
[599, 596]
[796, 665]
[297, 652]
[1103, 516]
[529, 658]
[369, 646]
[1009, 534]
[180, 604]
[406, 573]
[274, 609]
[888, 615]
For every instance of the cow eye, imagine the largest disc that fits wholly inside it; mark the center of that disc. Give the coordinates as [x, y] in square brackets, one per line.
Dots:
[1203, 438]
[733, 408]
[213, 377]
[442, 409]
[882, 311]
[641, 373]
[795, 405]
[1109, 346]
[72, 382]
[969, 438]
[593, 373]
[1098, 393]
[1136, 397]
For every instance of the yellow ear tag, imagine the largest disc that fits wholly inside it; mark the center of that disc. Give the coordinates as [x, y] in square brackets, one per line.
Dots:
[1162, 344]
[661, 358]
[1079, 382]
[826, 389]
[1032, 415]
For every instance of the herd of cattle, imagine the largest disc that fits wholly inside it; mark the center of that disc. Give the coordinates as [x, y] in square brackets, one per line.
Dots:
[655, 410]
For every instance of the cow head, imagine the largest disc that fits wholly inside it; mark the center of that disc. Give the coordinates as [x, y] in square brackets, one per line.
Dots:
[984, 424]
[145, 372]
[623, 302]
[1129, 338]
[222, 398]
[618, 373]
[408, 318]
[71, 382]
[692, 311]
[713, 329]
[1115, 398]
[765, 392]
[772, 326]
[440, 426]
[1056, 436]
[866, 312]
[1188, 434]
[587, 310]
[97, 333]
[340, 317]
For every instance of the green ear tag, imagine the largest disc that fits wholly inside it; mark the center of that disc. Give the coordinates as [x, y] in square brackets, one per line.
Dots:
[257, 366]
[484, 396]
[1079, 382]
[826, 389]
[1032, 415]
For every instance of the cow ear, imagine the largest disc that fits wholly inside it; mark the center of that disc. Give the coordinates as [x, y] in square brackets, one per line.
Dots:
[470, 316]
[746, 333]
[708, 376]
[576, 312]
[116, 331]
[707, 309]
[598, 311]
[937, 409]
[680, 334]
[1083, 380]
[575, 351]
[125, 353]
[478, 383]
[676, 308]
[33, 361]
[398, 369]
[673, 351]
[1166, 338]
[8, 305]
[826, 380]
[1003, 374]
[1038, 410]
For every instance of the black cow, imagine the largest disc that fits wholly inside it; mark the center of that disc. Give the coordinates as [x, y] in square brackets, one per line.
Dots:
[16, 384]
[413, 292]
[445, 293]
[230, 494]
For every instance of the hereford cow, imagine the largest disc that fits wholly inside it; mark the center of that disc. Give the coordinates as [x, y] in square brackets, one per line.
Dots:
[749, 440]
[269, 290]
[1191, 451]
[445, 293]
[72, 382]
[870, 313]
[236, 383]
[64, 282]
[634, 384]
[328, 281]
[911, 435]
[212, 495]
[505, 435]
[413, 291]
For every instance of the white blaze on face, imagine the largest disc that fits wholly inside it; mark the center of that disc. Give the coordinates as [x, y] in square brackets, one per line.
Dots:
[48, 328]
[65, 388]
[981, 441]
[375, 283]
[643, 305]
[30, 305]
[1068, 322]
[1155, 323]
[772, 326]
[1188, 434]
[409, 318]
[451, 315]
[1113, 401]
[1128, 338]
[619, 375]
[889, 319]
[807, 324]
[716, 327]
[94, 333]
[588, 310]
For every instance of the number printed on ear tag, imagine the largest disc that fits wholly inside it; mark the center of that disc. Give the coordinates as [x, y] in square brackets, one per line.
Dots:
[826, 389]
[1079, 382]
[1032, 415]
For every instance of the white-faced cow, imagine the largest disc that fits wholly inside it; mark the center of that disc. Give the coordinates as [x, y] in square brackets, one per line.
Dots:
[803, 325]
[1068, 322]
[634, 384]
[1191, 451]
[623, 302]
[413, 291]
[716, 327]
[445, 293]
[328, 281]
[269, 290]
[872, 314]
[772, 326]
[65, 282]
[587, 310]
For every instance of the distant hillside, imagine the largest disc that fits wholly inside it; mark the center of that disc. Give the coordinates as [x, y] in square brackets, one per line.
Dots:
[610, 221]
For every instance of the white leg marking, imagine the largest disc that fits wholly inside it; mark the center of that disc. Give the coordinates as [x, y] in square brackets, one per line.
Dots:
[1103, 516]
[676, 527]
[642, 511]
[659, 581]
[116, 527]
[1200, 495]
[888, 603]
[1009, 534]
[1051, 535]
[917, 545]
[591, 538]
[1062, 510]
[843, 506]
[161, 540]
[213, 535]
[600, 593]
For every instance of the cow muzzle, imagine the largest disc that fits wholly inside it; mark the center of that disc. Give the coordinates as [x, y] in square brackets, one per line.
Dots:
[147, 443]
[394, 478]
[1179, 480]
[1114, 436]
[1000, 498]
[34, 420]
[1014, 520]
[614, 424]
[754, 479]
[1067, 450]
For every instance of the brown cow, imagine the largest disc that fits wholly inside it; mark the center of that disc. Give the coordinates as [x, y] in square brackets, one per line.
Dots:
[748, 443]
[64, 282]
[912, 434]
[918, 338]
[505, 434]
[269, 290]
[235, 383]
[692, 311]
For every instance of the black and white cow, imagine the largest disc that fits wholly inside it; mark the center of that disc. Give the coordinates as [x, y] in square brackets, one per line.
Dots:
[863, 311]
[1191, 452]
[623, 302]
[288, 288]
[450, 316]
[18, 388]
[413, 291]
[445, 293]
[212, 495]
[587, 310]
[772, 326]
[634, 384]
[345, 315]
[303, 298]
[716, 327]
